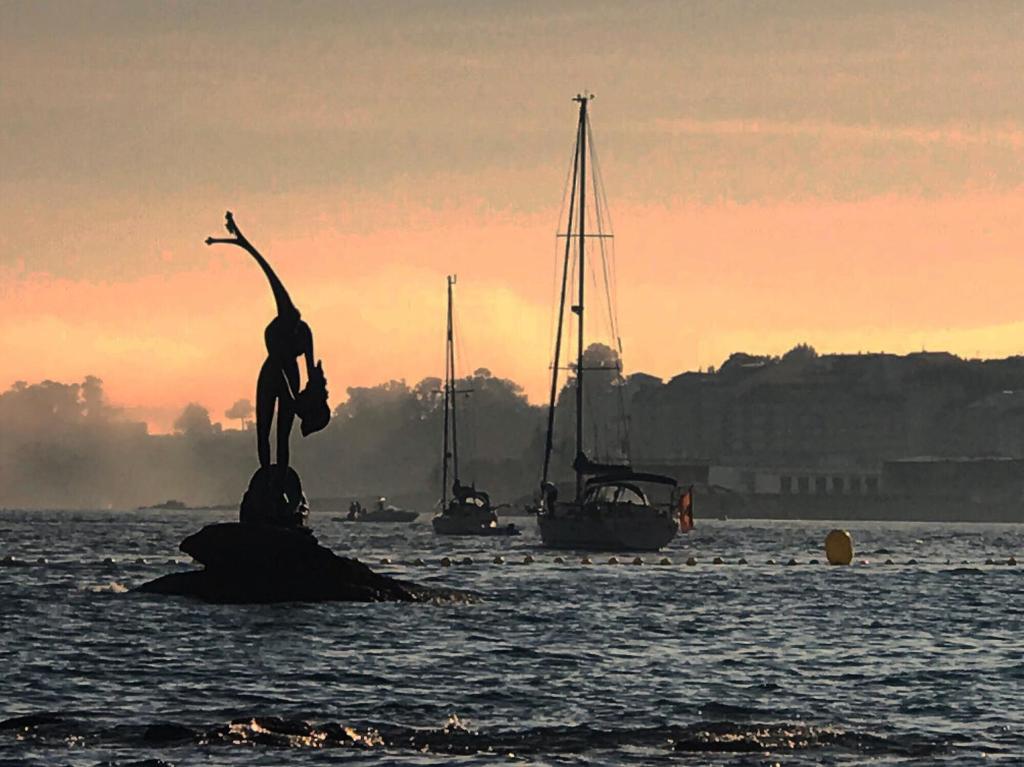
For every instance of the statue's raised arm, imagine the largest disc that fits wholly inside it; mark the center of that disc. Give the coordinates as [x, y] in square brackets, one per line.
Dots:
[285, 307]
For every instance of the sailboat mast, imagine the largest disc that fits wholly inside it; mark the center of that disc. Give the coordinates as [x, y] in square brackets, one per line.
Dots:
[451, 384]
[550, 437]
[578, 463]
[446, 455]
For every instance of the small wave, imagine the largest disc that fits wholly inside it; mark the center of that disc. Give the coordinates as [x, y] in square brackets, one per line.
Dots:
[455, 737]
[728, 738]
[764, 686]
[289, 733]
[30, 721]
[728, 711]
[105, 588]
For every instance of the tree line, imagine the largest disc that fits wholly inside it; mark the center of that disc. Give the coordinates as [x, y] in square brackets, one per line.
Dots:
[66, 446]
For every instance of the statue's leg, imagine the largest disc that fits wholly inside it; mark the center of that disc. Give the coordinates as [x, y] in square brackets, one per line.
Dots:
[266, 394]
[285, 417]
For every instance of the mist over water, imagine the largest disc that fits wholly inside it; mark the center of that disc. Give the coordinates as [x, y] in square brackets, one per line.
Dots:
[65, 446]
[559, 664]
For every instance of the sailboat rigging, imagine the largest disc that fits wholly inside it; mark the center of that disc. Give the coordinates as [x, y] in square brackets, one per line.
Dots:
[610, 509]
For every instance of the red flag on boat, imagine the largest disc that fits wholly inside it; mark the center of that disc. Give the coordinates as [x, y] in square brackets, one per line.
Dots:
[686, 510]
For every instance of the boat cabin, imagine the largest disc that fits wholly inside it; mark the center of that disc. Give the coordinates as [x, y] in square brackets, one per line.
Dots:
[623, 488]
[616, 492]
[470, 496]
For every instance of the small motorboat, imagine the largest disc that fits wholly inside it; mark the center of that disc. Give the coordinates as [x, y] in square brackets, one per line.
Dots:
[382, 512]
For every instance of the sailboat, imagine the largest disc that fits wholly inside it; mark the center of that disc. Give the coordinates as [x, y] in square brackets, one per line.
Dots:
[611, 509]
[468, 511]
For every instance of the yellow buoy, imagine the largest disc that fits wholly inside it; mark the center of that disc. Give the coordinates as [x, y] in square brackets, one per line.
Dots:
[691, 561]
[1012, 562]
[559, 561]
[665, 561]
[528, 560]
[385, 561]
[499, 560]
[638, 560]
[839, 547]
[467, 560]
[613, 560]
[718, 561]
[445, 562]
[586, 561]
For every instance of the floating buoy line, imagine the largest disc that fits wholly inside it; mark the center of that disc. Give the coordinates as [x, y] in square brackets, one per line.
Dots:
[528, 559]
[839, 551]
[559, 559]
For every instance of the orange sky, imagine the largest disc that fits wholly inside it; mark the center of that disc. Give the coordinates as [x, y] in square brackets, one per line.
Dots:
[853, 179]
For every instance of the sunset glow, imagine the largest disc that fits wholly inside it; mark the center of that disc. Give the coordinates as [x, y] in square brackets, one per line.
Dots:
[759, 199]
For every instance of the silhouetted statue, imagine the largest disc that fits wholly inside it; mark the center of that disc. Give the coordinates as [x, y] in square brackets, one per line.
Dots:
[287, 338]
[269, 555]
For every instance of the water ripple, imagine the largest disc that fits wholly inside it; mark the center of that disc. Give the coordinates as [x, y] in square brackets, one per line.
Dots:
[562, 663]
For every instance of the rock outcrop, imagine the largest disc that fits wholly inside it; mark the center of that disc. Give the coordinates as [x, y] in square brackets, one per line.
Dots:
[260, 563]
[275, 497]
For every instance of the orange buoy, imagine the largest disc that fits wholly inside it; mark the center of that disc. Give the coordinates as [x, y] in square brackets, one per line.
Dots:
[839, 547]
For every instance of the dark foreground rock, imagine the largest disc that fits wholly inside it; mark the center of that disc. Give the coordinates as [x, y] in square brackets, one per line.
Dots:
[258, 563]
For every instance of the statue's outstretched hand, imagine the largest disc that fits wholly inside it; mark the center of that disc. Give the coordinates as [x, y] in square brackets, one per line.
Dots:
[232, 227]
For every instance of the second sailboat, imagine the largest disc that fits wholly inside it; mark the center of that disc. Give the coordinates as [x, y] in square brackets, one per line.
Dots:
[468, 511]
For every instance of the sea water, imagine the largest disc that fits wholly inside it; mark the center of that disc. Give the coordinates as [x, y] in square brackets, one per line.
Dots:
[917, 661]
